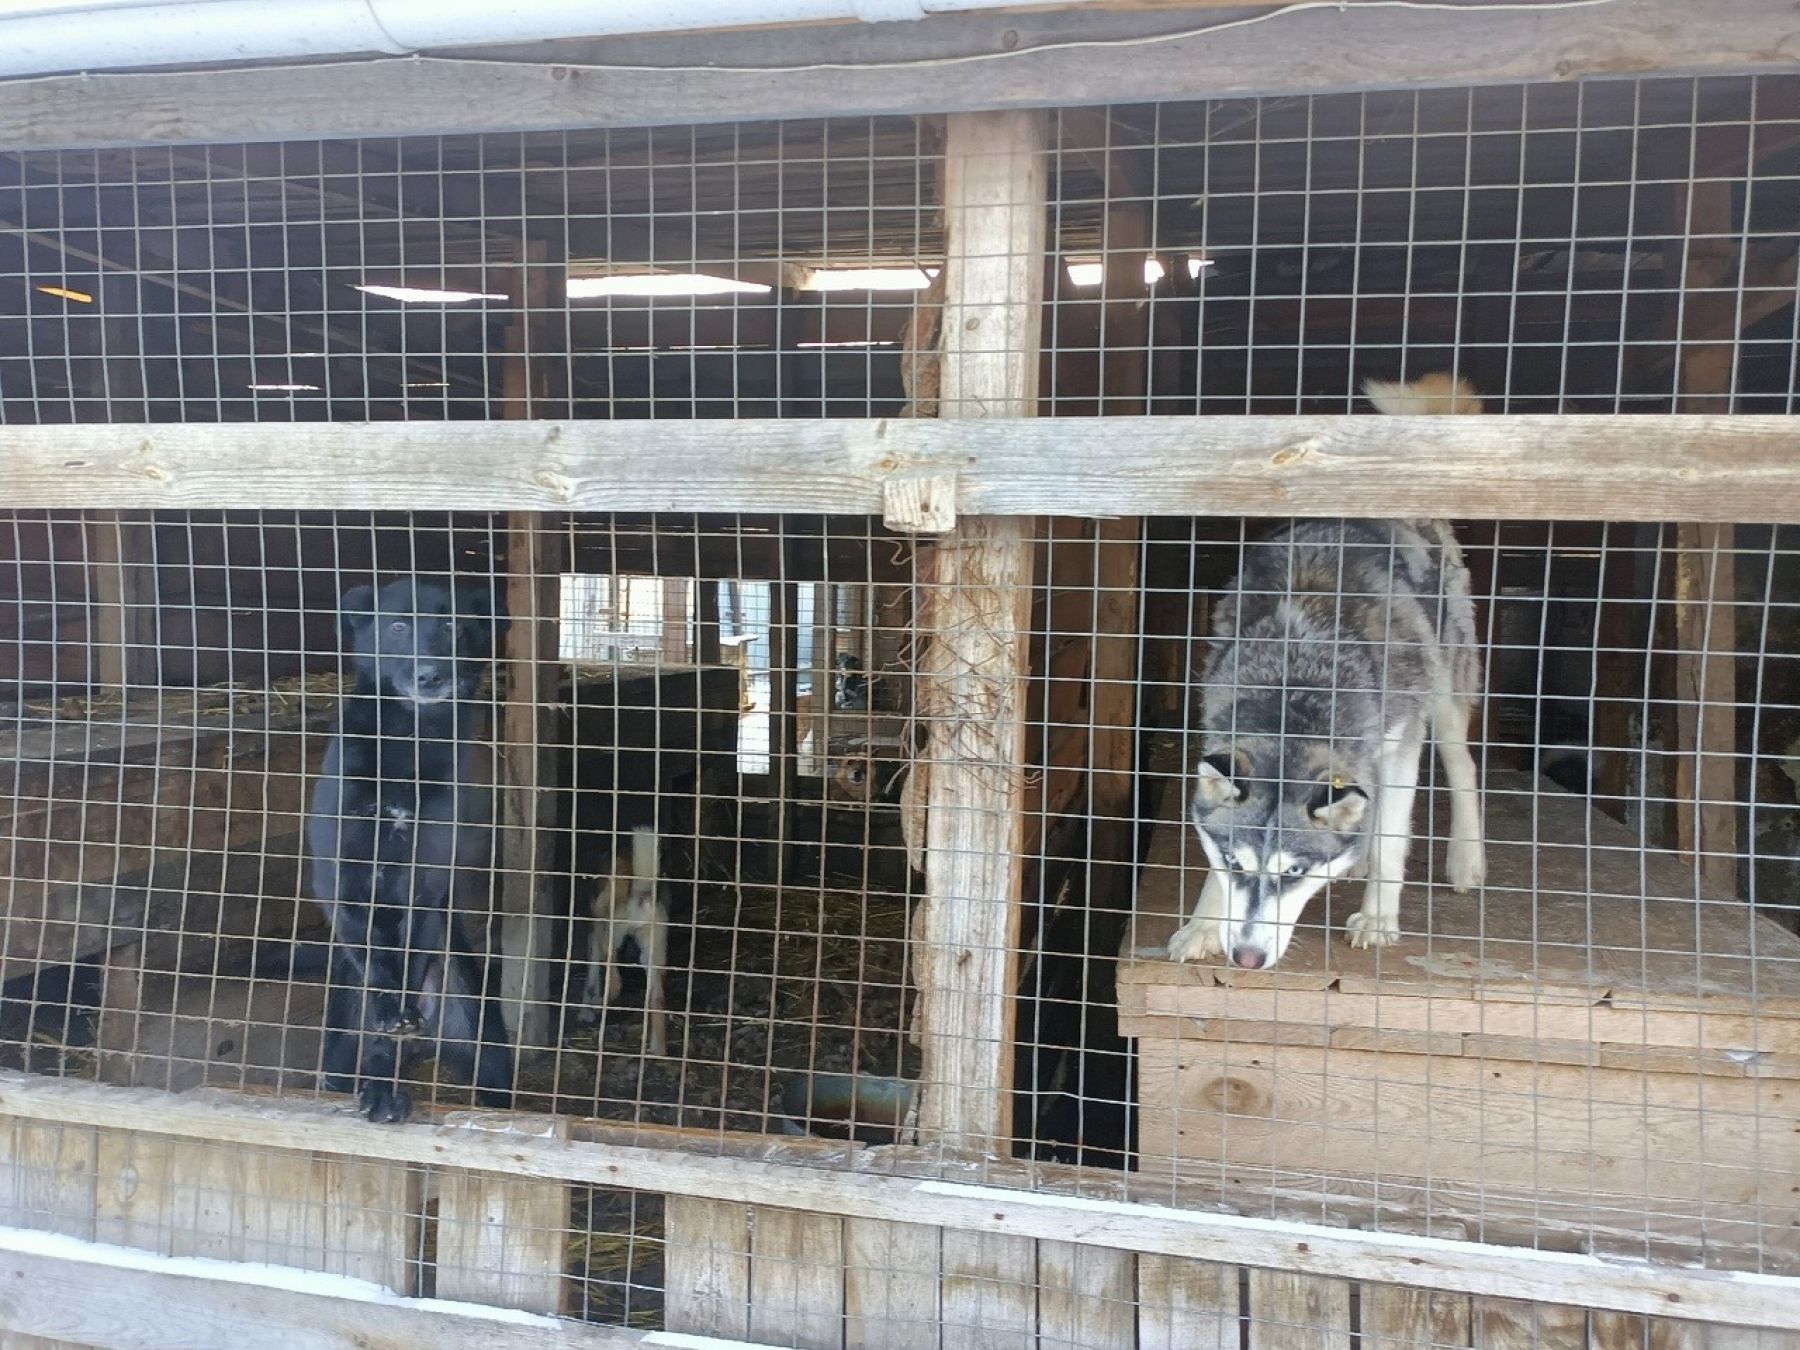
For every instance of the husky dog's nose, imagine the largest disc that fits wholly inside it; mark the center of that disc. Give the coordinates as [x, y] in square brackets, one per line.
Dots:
[1250, 958]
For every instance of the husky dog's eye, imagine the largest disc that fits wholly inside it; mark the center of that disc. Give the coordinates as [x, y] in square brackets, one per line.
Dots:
[1297, 870]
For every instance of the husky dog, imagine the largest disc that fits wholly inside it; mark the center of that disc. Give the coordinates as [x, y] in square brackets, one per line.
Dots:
[1342, 642]
[631, 907]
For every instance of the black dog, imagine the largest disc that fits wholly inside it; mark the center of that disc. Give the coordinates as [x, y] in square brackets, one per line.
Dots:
[395, 819]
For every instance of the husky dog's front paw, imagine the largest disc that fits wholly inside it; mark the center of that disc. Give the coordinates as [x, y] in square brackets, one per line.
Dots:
[1467, 862]
[1364, 929]
[1196, 940]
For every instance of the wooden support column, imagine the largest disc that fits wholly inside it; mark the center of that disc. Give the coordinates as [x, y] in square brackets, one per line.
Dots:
[121, 561]
[1114, 702]
[706, 617]
[533, 568]
[784, 739]
[121, 546]
[824, 675]
[1706, 823]
[1124, 392]
[972, 680]
[122, 641]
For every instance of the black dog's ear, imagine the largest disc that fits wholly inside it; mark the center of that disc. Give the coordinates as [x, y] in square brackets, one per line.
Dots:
[475, 607]
[355, 612]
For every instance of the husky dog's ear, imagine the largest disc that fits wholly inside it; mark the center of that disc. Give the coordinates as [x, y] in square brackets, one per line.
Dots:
[355, 612]
[1337, 805]
[1216, 786]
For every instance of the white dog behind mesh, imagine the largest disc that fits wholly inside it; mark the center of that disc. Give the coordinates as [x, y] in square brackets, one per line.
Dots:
[633, 907]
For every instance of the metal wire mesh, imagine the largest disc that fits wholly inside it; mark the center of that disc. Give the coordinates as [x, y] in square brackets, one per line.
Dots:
[1594, 1049]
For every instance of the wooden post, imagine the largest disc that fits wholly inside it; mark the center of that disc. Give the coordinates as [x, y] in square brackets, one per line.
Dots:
[121, 555]
[972, 681]
[1706, 824]
[706, 618]
[122, 641]
[1124, 392]
[533, 569]
[674, 621]
[121, 546]
[784, 684]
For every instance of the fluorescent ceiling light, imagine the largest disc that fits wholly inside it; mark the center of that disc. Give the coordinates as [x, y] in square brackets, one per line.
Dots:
[1195, 264]
[859, 342]
[867, 278]
[1091, 272]
[428, 384]
[285, 388]
[422, 295]
[64, 293]
[660, 284]
[683, 347]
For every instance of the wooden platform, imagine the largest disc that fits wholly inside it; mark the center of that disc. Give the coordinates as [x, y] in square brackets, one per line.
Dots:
[1574, 913]
[1582, 1050]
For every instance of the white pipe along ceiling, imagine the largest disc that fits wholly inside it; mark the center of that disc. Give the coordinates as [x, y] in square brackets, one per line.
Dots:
[42, 37]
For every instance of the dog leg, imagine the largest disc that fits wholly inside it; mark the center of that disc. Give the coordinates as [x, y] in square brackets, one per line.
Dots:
[1377, 923]
[381, 1098]
[493, 1074]
[1204, 934]
[653, 952]
[1467, 857]
[341, 1044]
[600, 937]
[472, 1034]
[613, 978]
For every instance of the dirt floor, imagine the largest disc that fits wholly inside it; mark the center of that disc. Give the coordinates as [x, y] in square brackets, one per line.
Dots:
[769, 985]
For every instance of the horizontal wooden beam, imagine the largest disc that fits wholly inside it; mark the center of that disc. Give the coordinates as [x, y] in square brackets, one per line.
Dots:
[947, 63]
[520, 1145]
[1707, 468]
[92, 1293]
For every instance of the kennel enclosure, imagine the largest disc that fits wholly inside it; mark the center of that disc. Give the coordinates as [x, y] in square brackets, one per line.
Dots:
[1575, 1089]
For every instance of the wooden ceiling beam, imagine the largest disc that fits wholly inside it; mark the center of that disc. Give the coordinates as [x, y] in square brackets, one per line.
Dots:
[940, 64]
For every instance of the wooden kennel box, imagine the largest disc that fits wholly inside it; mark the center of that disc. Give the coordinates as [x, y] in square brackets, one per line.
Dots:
[1565, 1059]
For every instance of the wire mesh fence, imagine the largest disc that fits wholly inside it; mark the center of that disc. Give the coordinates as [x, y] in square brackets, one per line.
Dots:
[634, 820]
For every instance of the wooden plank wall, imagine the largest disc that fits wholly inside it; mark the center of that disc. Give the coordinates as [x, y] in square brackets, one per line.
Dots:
[766, 1274]
[784, 1277]
[333, 1214]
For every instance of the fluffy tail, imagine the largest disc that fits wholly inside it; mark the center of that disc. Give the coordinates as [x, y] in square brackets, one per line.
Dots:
[644, 867]
[1428, 396]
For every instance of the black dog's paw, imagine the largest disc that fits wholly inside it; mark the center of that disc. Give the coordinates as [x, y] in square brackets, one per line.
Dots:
[400, 1023]
[382, 1102]
[392, 1015]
